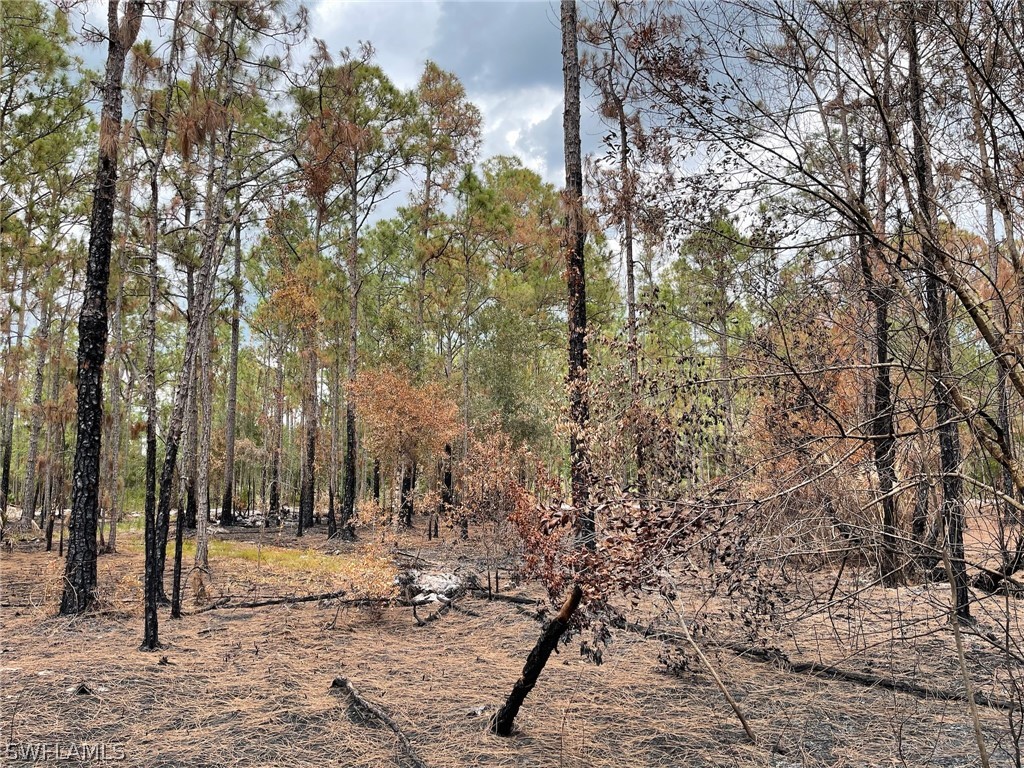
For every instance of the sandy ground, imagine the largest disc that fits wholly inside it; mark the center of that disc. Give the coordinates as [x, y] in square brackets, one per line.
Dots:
[252, 687]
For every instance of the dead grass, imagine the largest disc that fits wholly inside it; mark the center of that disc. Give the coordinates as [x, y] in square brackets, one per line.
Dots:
[252, 687]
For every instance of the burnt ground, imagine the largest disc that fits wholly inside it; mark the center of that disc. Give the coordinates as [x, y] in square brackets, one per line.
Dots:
[252, 687]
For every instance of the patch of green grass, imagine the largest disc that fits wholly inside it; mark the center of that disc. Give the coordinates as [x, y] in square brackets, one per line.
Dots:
[284, 557]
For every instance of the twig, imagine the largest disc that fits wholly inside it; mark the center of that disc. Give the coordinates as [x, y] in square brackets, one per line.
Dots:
[370, 708]
[971, 703]
[718, 681]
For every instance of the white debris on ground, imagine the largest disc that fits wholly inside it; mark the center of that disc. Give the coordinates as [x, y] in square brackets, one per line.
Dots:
[424, 587]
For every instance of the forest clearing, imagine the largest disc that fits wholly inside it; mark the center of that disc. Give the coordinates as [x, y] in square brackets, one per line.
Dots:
[436, 383]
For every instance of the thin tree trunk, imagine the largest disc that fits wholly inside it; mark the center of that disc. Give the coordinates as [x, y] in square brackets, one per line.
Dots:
[11, 405]
[114, 444]
[80, 570]
[227, 510]
[332, 482]
[938, 326]
[275, 460]
[504, 719]
[574, 240]
[42, 342]
[882, 425]
[205, 283]
[205, 398]
[348, 503]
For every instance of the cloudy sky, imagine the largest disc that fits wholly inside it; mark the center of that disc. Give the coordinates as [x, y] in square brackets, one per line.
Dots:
[507, 54]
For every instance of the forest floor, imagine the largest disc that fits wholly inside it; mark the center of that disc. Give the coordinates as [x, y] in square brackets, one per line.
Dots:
[253, 687]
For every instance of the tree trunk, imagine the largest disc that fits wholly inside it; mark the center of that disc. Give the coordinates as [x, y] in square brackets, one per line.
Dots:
[114, 444]
[574, 241]
[348, 503]
[275, 459]
[80, 570]
[332, 482]
[11, 404]
[505, 717]
[227, 509]
[205, 398]
[210, 258]
[12, 379]
[936, 311]
[42, 341]
[309, 421]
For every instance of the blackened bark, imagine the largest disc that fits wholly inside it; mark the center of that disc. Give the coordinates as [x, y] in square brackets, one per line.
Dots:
[11, 380]
[309, 418]
[80, 569]
[179, 536]
[348, 501]
[574, 241]
[275, 459]
[880, 293]
[504, 718]
[210, 258]
[227, 510]
[406, 505]
[936, 311]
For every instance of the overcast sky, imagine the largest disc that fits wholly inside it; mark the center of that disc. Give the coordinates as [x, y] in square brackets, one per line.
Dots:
[507, 54]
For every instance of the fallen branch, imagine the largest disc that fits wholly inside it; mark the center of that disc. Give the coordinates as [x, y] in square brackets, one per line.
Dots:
[367, 707]
[718, 682]
[446, 605]
[225, 603]
[828, 672]
[515, 599]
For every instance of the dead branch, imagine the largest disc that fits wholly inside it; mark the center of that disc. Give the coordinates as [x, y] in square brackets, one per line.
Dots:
[225, 602]
[828, 672]
[367, 707]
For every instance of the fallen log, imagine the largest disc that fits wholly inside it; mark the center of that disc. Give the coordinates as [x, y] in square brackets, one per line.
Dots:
[504, 718]
[367, 708]
[225, 603]
[829, 672]
[514, 599]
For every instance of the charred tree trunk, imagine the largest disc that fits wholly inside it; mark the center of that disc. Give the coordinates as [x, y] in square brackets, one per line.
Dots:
[938, 327]
[227, 508]
[348, 503]
[405, 510]
[114, 444]
[880, 294]
[275, 459]
[504, 718]
[209, 260]
[80, 570]
[309, 419]
[574, 241]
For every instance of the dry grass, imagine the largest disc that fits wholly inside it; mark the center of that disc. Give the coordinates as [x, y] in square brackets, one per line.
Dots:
[252, 687]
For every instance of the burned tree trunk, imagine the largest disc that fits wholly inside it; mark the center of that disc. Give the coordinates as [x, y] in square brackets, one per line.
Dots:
[937, 313]
[80, 570]
[227, 507]
[574, 239]
[505, 717]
